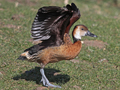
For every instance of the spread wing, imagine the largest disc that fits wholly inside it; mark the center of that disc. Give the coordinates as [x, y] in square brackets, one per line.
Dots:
[52, 22]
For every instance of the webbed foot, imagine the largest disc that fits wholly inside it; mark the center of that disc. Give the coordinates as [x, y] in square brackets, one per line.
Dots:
[46, 82]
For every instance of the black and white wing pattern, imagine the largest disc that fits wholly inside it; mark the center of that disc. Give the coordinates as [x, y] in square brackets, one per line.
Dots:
[46, 21]
[51, 22]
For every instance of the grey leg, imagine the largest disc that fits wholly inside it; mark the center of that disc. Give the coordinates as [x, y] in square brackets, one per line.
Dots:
[45, 80]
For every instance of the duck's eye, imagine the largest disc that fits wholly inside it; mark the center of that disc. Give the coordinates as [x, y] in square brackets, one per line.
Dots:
[82, 29]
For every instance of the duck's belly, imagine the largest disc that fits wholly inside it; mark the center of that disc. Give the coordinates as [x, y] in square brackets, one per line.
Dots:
[55, 54]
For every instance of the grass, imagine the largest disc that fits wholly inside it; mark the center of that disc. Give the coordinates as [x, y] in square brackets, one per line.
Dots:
[89, 73]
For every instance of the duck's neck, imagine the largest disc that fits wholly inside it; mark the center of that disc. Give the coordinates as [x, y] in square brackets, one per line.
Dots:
[75, 40]
[76, 46]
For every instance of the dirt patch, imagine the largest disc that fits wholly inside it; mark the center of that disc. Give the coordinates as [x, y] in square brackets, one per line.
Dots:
[17, 17]
[77, 87]
[12, 26]
[41, 88]
[95, 43]
[3, 25]
[75, 61]
[1, 9]
[56, 73]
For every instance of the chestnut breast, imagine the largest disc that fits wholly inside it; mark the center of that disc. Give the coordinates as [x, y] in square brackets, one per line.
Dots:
[58, 53]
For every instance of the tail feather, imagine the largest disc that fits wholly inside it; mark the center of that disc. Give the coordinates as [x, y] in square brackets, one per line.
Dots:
[23, 56]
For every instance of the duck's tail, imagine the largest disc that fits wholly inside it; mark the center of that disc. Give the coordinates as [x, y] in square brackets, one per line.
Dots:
[23, 56]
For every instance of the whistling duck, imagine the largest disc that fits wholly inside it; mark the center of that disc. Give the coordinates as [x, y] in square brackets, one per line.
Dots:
[51, 26]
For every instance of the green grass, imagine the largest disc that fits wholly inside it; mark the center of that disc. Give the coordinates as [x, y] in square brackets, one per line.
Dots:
[102, 19]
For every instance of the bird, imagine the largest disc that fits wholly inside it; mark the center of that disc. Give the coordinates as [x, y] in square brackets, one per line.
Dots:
[51, 26]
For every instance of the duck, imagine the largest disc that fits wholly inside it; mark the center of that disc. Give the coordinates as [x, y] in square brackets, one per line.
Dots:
[51, 26]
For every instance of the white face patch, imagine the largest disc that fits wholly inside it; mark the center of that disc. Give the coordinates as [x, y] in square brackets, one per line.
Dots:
[77, 33]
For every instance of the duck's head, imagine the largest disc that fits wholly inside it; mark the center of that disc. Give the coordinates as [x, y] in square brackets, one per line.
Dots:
[81, 30]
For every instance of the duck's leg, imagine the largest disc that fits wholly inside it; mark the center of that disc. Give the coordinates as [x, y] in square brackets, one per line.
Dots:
[45, 80]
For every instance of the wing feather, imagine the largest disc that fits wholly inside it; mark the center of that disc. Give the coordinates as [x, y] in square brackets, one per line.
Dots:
[51, 23]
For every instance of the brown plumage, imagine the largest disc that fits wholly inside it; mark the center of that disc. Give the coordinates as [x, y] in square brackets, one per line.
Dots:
[56, 43]
[56, 53]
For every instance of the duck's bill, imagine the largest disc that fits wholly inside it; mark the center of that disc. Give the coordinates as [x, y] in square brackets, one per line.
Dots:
[90, 34]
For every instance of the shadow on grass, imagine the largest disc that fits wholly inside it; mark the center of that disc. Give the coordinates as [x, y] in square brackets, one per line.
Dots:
[34, 75]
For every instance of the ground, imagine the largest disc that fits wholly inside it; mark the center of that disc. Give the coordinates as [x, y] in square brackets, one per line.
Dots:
[96, 67]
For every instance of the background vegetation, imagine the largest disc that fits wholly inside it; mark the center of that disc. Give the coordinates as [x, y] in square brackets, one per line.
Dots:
[96, 67]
